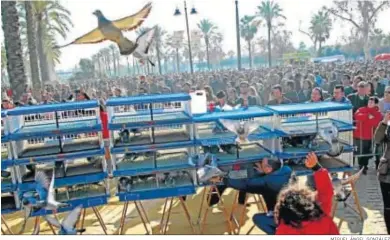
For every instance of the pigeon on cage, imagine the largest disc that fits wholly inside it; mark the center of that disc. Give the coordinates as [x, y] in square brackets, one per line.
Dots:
[208, 172]
[240, 128]
[125, 184]
[300, 141]
[341, 193]
[202, 159]
[330, 135]
[124, 135]
[68, 225]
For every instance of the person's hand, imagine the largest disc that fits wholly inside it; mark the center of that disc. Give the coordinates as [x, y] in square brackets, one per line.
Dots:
[370, 116]
[258, 167]
[215, 180]
[311, 160]
[386, 119]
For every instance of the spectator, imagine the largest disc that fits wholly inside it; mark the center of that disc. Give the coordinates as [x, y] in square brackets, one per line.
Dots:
[338, 95]
[209, 94]
[270, 177]
[232, 97]
[245, 98]
[291, 93]
[348, 89]
[278, 97]
[300, 210]
[384, 103]
[6, 103]
[253, 93]
[186, 87]
[370, 90]
[359, 99]
[382, 137]
[305, 93]
[367, 119]
[316, 95]
[382, 77]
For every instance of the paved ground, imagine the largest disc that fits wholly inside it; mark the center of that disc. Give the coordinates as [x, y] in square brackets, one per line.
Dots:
[367, 187]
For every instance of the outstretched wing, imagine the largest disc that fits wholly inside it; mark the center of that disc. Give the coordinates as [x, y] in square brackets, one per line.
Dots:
[51, 194]
[132, 22]
[53, 221]
[230, 125]
[27, 213]
[353, 178]
[70, 221]
[144, 40]
[42, 180]
[251, 126]
[94, 36]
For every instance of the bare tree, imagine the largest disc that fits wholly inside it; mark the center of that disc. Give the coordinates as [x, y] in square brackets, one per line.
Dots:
[362, 14]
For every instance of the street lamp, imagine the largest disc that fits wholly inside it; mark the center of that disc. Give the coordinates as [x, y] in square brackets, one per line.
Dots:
[238, 38]
[178, 13]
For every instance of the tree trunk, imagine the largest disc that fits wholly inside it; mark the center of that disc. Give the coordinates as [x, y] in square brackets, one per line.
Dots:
[13, 48]
[113, 62]
[366, 43]
[128, 65]
[32, 45]
[158, 58]
[207, 52]
[43, 63]
[177, 60]
[250, 54]
[269, 26]
[319, 48]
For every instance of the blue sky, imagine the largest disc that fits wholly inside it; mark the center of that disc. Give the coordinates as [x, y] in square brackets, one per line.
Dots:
[221, 12]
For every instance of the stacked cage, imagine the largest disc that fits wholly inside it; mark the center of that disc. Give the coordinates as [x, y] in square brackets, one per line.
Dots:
[9, 197]
[315, 127]
[152, 146]
[65, 138]
[213, 138]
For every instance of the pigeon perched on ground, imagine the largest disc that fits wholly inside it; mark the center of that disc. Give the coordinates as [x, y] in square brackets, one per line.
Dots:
[338, 185]
[68, 225]
[112, 30]
[241, 129]
[330, 135]
[143, 43]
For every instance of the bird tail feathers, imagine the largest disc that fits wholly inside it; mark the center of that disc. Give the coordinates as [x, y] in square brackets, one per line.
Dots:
[151, 63]
[126, 47]
[353, 178]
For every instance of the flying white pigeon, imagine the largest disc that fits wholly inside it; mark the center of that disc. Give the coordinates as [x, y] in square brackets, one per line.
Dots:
[143, 43]
[68, 225]
[240, 128]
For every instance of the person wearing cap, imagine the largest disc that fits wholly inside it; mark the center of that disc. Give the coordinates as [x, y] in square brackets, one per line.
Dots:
[266, 177]
[360, 98]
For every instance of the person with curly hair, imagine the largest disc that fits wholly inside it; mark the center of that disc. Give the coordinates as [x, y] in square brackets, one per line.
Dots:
[302, 211]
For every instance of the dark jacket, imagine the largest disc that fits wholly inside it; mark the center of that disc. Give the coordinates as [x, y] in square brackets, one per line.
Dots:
[357, 102]
[382, 136]
[343, 100]
[284, 101]
[302, 97]
[268, 185]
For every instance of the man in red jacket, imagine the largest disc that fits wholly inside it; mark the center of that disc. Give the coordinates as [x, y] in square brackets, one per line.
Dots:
[367, 119]
[302, 211]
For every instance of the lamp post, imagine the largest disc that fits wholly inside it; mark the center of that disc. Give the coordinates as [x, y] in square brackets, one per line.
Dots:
[177, 13]
[238, 38]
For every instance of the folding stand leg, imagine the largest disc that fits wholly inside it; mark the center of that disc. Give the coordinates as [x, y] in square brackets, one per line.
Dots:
[51, 228]
[229, 226]
[260, 204]
[96, 211]
[124, 212]
[37, 222]
[201, 205]
[83, 219]
[163, 214]
[357, 201]
[142, 218]
[3, 232]
[183, 204]
[168, 216]
[6, 225]
[144, 212]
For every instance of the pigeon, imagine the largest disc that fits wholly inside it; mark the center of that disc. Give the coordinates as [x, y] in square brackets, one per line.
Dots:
[112, 30]
[46, 191]
[202, 159]
[338, 185]
[68, 225]
[125, 184]
[5, 174]
[330, 135]
[208, 172]
[143, 43]
[241, 129]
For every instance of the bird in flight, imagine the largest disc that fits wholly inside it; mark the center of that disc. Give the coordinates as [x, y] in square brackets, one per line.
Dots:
[241, 129]
[68, 225]
[112, 30]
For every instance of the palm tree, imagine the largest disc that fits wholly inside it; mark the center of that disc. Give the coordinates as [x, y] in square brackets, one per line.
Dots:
[270, 12]
[208, 29]
[175, 45]
[13, 47]
[158, 41]
[112, 48]
[3, 65]
[320, 26]
[32, 45]
[52, 19]
[248, 32]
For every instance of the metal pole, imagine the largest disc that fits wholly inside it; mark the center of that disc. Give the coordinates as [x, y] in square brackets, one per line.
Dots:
[188, 36]
[238, 38]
